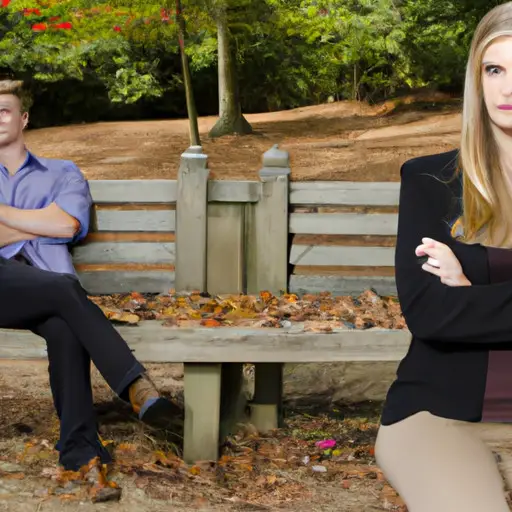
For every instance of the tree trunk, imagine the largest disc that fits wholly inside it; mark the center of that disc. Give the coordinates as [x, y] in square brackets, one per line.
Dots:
[230, 119]
[355, 86]
[187, 80]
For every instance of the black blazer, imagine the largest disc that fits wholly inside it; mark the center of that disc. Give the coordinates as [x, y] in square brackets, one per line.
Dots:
[455, 330]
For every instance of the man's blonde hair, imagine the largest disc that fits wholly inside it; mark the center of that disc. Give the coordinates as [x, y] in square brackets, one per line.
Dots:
[16, 88]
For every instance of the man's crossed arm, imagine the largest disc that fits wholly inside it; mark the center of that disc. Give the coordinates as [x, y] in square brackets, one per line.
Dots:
[65, 220]
[10, 236]
[17, 224]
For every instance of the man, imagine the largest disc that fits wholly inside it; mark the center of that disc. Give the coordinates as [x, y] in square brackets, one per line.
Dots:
[44, 206]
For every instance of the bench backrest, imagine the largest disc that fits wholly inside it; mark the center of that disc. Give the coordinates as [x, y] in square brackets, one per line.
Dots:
[131, 243]
[344, 236]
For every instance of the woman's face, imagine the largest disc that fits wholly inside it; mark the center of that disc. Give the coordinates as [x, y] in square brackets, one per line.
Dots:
[497, 82]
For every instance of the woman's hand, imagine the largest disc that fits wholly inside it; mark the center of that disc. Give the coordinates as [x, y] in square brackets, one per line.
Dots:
[442, 262]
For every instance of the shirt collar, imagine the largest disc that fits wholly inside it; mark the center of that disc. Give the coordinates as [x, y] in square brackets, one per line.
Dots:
[33, 160]
[31, 163]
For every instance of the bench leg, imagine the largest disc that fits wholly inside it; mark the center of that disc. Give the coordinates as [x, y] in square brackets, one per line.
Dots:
[266, 409]
[233, 400]
[202, 411]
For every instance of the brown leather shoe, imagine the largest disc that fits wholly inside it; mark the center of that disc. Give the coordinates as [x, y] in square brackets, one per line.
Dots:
[153, 409]
[142, 390]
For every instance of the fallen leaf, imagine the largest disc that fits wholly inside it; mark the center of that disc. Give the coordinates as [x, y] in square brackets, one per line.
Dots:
[126, 447]
[266, 296]
[271, 479]
[13, 476]
[195, 470]
[210, 322]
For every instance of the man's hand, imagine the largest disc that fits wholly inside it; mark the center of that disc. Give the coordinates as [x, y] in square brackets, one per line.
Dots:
[51, 221]
[442, 262]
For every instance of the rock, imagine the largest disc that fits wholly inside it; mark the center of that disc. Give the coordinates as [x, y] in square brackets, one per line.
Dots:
[69, 488]
[328, 384]
[41, 493]
[9, 467]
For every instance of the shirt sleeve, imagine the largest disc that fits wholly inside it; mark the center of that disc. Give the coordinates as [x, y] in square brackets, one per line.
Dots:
[74, 197]
[481, 313]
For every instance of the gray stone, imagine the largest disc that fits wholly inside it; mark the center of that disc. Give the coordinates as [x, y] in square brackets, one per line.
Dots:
[331, 383]
[9, 467]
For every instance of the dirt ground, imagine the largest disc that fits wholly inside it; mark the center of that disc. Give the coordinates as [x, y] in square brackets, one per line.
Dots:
[336, 141]
[29, 429]
[279, 471]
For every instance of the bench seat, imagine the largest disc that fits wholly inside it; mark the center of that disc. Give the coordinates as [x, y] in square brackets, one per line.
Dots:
[213, 359]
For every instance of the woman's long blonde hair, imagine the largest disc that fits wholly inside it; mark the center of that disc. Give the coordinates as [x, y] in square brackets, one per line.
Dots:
[486, 201]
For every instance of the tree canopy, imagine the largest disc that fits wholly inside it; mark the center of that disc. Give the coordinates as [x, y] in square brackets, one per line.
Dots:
[122, 56]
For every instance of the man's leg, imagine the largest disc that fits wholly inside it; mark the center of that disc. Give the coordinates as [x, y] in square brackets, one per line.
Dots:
[30, 295]
[70, 382]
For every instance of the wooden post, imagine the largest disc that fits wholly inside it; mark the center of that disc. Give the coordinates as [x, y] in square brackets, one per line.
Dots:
[267, 265]
[266, 410]
[191, 221]
[267, 270]
[225, 248]
[233, 400]
[202, 384]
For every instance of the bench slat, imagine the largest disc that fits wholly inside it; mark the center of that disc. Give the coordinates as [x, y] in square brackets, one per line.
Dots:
[342, 285]
[125, 252]
[133, 191]
[134, 220]
[234, 191]
[336, 255]
[166, 191]
[344, 193]
[154, 343]
[344, 223]
[119, 281]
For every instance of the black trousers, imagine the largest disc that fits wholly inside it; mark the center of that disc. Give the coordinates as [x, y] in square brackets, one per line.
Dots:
[56, 307]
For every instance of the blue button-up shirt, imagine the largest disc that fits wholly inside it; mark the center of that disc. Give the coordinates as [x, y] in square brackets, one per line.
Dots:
[38, 183]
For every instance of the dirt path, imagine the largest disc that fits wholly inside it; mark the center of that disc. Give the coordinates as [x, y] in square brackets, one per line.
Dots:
[337, 141]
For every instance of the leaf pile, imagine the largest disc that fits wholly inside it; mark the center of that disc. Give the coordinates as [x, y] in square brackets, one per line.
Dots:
[322, 312]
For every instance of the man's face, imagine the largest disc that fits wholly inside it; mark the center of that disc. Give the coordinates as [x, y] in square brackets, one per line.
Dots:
[12, 119]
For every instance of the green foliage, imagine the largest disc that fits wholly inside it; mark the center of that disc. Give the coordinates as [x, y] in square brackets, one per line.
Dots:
[125, 53]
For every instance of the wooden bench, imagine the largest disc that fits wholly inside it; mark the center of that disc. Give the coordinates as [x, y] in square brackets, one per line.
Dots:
[213, 361]
[233, 238]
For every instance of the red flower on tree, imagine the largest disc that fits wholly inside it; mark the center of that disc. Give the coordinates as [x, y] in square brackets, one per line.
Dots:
[164, 15]
[5, 3]
[28, 12]
[39, 27]
[66, 25]
[117, 28]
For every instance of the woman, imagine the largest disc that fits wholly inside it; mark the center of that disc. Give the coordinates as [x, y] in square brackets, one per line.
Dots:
[456, 209]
